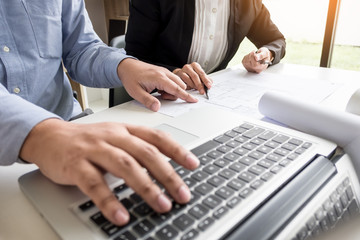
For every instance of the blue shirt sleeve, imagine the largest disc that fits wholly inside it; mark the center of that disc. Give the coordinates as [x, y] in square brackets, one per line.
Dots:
[36, 37]
[18, 117]
[85, 56]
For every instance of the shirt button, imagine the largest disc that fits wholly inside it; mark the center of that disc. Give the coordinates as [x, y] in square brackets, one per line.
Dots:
[211, 37]
[206, 63]
[214, 10]
[6, 49]
[16, 90]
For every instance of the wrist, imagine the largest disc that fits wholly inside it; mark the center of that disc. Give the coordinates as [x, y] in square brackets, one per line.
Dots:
[33, 144]
[124, 66]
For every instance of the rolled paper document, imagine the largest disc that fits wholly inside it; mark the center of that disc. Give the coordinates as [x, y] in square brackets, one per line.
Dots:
[353, 105]
[342, 128]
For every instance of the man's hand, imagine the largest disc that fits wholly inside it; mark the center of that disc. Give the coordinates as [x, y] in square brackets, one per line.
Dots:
[79, 154]
[257, 61]
[194, 77]
[140, 79]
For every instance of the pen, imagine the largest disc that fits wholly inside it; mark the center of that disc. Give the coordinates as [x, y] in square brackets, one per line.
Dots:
[206, 91]
[262, 61]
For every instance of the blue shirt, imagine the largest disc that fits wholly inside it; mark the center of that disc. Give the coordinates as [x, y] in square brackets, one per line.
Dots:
[36, 36]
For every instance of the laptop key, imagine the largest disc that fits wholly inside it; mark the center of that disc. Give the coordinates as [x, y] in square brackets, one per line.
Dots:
[182, 172]
[223, 149]
[245, 193]
[233, 202]
[274, 157]
[87, 205]
[204, 160]
[214, 154]
[183, 221]
[237, 167]
[289, 146]
[231, 156]
[205, 147]
[240, 129]
[221, 211]
[136, 198]
[199, 175]
[222, 139]
[211, 169]
[125, 236]
[349, 193]
[265, 163]
[257, 170]
[194, 198]
[204, 188]
[256, 184]
[241, 151]
[189, 182]
[227, 173]
[247, 160]
[167, 232]
[143, 209]
[247, 177]
[306, 145]
[126, 203]
[253, 132]
[272, 144]
[190, 235]
[311, 223]
[233, 144]
[216, 181]
[353, 208]
[224, 192]
[246, 126]
[257, 155]
[206, 223]
[99, 219]
[295, 141]
[110, 229]
[177, 208]
[264, 149]
[231, 133]
[120, 188]
[267, 176]
[143, 227]
[198, 211]
[236, 184]
[241, 139]
[276, 169]
[212, 201]
[267, 135]
[280, 138]
[159, 218]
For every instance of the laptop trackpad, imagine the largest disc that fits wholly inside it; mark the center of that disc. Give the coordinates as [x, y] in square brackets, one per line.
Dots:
[182, 137]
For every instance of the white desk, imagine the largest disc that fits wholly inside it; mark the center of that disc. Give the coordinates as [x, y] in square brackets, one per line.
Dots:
[20, 220]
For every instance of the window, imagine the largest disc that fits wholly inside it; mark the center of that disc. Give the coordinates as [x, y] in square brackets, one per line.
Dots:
[346, 52]
[303, 25]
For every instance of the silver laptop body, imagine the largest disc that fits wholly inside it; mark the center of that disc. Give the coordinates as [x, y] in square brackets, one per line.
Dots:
[274, 181]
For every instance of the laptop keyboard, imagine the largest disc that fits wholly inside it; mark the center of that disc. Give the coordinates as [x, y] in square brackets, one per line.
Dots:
[340, 206]
[233, 166]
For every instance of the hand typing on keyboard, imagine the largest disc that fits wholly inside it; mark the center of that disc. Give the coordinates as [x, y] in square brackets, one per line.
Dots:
[79, 154]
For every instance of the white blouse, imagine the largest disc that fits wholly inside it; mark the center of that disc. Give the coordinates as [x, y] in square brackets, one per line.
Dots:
[209, 43]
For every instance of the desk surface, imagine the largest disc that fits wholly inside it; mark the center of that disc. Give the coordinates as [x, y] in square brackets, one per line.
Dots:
[20, 220]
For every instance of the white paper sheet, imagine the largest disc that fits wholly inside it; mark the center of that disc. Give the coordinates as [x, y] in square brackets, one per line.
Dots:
[240, 91]
[340, 127]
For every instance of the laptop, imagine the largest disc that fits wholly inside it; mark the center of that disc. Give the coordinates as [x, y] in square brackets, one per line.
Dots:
[256, 180]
